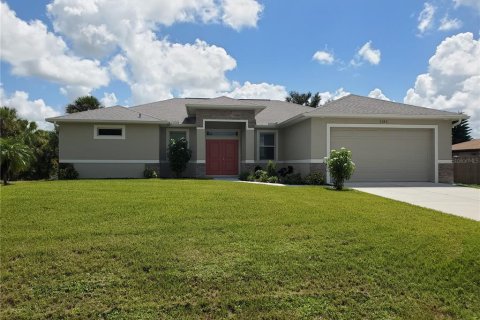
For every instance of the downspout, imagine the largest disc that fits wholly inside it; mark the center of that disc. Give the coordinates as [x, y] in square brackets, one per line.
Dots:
[456, 123]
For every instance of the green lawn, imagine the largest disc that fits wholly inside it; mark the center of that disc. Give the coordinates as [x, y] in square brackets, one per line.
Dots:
[179, 249]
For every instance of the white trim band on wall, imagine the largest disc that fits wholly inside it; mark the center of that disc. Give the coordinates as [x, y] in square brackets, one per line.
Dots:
[445, 161]
[106, 161]
[387, 126]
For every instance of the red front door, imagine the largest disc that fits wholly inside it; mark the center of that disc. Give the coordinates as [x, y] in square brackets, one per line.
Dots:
[222, 157]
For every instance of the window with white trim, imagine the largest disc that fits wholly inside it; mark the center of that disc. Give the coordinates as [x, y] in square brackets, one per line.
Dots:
[109, 132]
[176, 134]
[266, 146]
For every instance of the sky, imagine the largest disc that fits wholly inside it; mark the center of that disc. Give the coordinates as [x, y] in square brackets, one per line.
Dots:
[421, 53]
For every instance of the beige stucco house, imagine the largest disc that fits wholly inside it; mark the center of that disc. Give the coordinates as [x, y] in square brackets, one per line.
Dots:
[390, 141]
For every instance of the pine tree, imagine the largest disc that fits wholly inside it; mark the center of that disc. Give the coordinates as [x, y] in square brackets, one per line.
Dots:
[461, 132]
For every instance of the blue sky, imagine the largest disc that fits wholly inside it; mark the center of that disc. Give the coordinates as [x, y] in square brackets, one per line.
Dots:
[249, 48]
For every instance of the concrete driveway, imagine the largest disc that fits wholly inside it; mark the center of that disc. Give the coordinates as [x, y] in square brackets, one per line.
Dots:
[460, 201]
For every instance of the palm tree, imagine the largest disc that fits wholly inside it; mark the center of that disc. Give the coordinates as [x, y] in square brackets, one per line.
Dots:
[304, 99]
[15, 157]
[83, 104]
[9, 125]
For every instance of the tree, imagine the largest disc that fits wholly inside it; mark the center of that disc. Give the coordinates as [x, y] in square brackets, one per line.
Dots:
[461, 132]
[304, 99]
[9, 125]
[341, 166]
[83, 104]
[15, 157]
[178, 155]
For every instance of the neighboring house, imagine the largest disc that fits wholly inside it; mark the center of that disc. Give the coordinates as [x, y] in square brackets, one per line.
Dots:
[467, 149]
[390, 141]
[466, 162]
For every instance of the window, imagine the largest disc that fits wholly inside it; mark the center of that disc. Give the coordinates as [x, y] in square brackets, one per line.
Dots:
[222, 133]
[266, 150]
[176, 134]
[109, 132]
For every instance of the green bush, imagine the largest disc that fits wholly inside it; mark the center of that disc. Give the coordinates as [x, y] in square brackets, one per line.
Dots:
[67, 171]
[263, 176]
[315, 178]
[259, 173]
[179, 155]
[271, 169]
[273, 179]
[293, 178]
[243, 176]
[150, 173]
[251, 177]
[341, 166]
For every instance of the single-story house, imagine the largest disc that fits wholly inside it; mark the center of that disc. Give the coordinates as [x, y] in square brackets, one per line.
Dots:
[467, 149]
[390, 141]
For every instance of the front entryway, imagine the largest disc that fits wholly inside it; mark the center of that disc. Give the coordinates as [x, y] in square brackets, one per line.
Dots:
[222, 157]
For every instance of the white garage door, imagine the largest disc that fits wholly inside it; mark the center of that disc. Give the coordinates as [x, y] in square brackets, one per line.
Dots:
[388, 154]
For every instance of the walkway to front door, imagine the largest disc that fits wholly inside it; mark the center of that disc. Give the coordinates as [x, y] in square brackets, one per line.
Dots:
[222, 157]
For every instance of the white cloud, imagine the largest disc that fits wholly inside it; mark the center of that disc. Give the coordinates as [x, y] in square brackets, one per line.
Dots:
[241, 13]
[447, 24]
[337, 94]
[324, 57]
[109, 99]
[426, 17]
[73, 92]
[156, 68]
[468, 3]
[258, 91]
[452, 82]
[378, 94]
[366, 53]
[32, 110]
[33, 51]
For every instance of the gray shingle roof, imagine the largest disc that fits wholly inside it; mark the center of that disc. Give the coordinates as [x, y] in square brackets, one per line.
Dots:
[174, 109]
[271, 111]
[110, 114]
[357, 105]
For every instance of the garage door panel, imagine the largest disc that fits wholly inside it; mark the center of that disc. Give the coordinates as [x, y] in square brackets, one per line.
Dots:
[388, 154]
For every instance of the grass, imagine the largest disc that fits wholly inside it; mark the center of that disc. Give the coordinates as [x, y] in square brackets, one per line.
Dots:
[189, 249]
[476, 186]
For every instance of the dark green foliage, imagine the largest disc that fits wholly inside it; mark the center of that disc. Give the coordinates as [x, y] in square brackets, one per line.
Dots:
[83, 104]
[66, 171]
[461, 132]
[15, 157]
[243, 176]
[284, 171]
[179, 155]
[315, 178]
[42, 144]
[293, 178]
[271, 169]
[304, 99]
[150, 173]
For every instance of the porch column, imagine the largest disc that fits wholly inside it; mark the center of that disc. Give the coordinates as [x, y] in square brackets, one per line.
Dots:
[200, 161]
[249, 149]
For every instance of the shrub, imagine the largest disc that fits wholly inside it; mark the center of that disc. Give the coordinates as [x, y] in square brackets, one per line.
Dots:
[150, 173]
[251, 177]
[273, 179]
[179, 155]
[341, 166]
[271, 169]
[257, 168]
[66, 171]
[292, 178]
[262, 175]
[243, 176]
[284, 171]
[315, 178]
